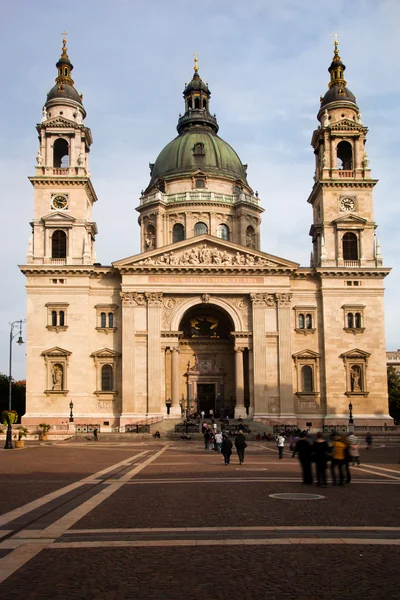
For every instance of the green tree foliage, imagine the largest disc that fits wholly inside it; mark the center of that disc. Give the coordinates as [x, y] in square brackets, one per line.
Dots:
[394, 393]
[17, 395]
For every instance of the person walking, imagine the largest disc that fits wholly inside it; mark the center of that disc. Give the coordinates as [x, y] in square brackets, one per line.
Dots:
[303, 451]
[240, 444]
[354, 450]
[368, 441]
[218, 441]
[207, 438]
[320, 451]
[280, 442]
[338, 459]
[226, 449]
[95, 436]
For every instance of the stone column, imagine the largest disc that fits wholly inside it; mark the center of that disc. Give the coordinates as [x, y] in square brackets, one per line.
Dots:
[260, 302]
[285, 357]
[175, 408]
[251, 384]
[240, 410]
[154, 302]
[129, 302]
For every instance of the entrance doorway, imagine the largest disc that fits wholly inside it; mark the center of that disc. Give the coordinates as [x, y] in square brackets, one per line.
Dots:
[206, 397]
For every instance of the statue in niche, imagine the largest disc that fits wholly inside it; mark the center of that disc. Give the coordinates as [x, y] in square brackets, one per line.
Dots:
[355, 375]
[80, 159]
[44, 114]
[251, 239]
[39, 159]
[57, 377]
[326, 118]
[149, 240]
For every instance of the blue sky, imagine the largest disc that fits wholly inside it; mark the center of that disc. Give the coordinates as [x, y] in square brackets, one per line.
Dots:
[266, 65]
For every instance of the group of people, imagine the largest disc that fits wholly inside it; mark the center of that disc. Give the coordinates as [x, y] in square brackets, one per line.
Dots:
[340, 452]
[220, 441]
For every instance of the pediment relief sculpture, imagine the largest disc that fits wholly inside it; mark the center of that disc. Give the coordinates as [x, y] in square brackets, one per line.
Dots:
[207, 255]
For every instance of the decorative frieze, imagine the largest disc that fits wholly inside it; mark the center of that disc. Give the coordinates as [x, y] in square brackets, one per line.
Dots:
[132, 299]
[283, 299]
[260, 299]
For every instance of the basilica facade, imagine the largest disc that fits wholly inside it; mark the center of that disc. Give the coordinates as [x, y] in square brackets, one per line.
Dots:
[203, 318]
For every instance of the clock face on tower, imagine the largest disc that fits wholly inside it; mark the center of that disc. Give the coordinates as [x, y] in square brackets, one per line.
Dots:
[59, 202]
[347, 204]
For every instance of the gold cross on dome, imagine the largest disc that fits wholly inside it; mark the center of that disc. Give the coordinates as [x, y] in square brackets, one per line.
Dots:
[196, 62]
[336, 38]
[64, 34]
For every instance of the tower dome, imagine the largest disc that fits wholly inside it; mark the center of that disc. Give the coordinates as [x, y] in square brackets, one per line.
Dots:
[337, 92]
[64, 91]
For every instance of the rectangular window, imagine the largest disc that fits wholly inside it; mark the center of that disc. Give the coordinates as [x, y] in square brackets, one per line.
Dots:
[106, 317]
[57, 316]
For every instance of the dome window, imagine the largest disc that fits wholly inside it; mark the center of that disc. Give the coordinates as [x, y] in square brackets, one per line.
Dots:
[198, 149]
[200, 228]
[200, 182]
[223, 232]
[178, 233]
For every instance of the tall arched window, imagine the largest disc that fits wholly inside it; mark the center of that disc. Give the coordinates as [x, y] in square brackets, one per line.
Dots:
[350, 320]
[103, 321]
[61, 154]
[178, 233]
[357, 320]
[110, 319]
[54, 318]
[59, 244]
[197, 102]
[301, 321]
[350, 246]
[200, 228]
[223, 231]
[306, 379]
[308, 321]
[107, 378]
[345, 156]
[61, 318]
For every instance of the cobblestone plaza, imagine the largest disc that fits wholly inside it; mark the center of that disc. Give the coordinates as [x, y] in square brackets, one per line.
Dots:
[168, 520]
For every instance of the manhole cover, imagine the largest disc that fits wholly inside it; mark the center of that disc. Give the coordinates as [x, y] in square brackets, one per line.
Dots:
[296, 496]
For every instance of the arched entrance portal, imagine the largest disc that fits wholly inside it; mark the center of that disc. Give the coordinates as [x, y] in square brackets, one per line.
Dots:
[207, 348]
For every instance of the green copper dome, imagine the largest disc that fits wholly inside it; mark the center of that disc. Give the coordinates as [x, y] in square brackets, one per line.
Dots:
[198, 150]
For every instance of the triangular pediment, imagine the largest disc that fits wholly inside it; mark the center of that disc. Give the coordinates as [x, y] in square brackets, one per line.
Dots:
[347, 124]
[306, 354]
[205, 251]
[105, 353]
[56, 351]
[59, 121]
[350, 219]
[59, 217]
[355, 353]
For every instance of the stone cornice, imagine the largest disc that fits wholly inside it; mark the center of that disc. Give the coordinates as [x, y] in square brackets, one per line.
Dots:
[340, 183]
[202, 269]
[67, 181]
[62, 270]
[352, 272]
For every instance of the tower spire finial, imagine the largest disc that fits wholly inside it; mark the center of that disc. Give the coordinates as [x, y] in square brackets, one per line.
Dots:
[336, 43]
[64, 46]
[196, 62]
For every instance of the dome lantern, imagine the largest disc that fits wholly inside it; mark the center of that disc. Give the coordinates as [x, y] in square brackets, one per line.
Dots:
[197, 101]
[337, 92]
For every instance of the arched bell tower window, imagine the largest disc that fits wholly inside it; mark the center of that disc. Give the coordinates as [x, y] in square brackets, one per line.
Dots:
[223, 231]
[350, 246]
[59, 244]
[178, 233]
[197, 102]
[250, 237]
[345, 156]
[61, 154]
[204, 103]
[200, 228]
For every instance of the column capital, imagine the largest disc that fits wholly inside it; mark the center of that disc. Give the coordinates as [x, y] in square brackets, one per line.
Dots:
[175, 349]
[239, 349]
[132, 299]
[284, 299]
[260, 299]
[153, 298]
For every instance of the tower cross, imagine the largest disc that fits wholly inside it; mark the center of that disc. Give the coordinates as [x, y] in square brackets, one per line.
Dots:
[196, 62]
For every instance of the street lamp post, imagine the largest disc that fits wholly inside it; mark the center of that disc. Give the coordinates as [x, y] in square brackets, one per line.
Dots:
[71, 416]
[351, 420]
[14, 325]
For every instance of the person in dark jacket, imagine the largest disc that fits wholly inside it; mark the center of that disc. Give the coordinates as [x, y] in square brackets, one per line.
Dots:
[320, 450]
[207, 438]
[304, 452]
[226, 449]
[240, 444]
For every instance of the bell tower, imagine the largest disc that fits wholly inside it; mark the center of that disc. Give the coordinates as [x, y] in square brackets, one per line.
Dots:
[343, 229]
[62, 229]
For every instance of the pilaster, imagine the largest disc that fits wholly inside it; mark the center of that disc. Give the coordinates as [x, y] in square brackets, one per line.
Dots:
[154, 304]
[285, 356]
